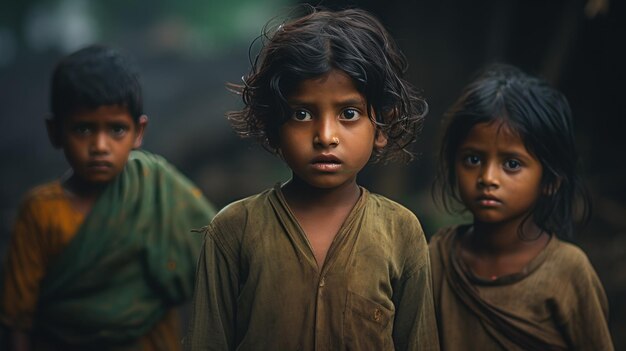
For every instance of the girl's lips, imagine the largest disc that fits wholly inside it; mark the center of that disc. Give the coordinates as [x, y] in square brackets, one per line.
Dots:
[326, 158]
[488, 201]
[326, 163]
[326, 166]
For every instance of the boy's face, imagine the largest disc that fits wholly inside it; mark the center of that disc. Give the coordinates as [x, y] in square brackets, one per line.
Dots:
[97, 142]
[329, 138]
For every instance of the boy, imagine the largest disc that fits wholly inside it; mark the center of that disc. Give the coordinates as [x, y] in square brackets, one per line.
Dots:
[99, 258]
[319, 263]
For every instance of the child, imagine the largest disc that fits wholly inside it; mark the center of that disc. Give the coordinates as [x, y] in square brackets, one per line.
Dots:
[319, 263]
[99, 258]
[506, 282]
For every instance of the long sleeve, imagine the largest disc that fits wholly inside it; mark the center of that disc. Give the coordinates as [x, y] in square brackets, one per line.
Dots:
[212, 325]
[415, 326]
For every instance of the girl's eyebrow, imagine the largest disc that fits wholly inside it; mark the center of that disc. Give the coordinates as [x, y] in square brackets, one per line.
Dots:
[470, 149]
[506, 153]
[349, 101]
[352, 101]
[513, 154]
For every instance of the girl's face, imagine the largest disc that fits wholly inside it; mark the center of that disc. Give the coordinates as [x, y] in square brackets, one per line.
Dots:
[330, 137]
[498, 179]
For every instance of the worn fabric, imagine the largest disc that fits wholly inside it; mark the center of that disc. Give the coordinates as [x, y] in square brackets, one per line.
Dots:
[556, 303]
[110, 279]
[259, 287]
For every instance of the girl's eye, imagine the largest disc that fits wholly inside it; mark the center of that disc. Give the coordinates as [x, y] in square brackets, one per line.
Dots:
[512, 165]
[301, 115]
[350, 114]
[472, 160]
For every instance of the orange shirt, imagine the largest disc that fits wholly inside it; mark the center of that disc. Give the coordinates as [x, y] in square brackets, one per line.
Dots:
[45, 225]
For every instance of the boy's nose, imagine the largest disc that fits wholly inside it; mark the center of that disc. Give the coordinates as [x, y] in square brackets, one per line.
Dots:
[99, 143]
[326, 134]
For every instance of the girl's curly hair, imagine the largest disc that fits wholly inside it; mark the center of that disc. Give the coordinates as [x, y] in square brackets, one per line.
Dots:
[352, 41]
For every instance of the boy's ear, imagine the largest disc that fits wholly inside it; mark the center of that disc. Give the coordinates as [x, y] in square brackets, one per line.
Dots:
[54, 132]
[142, 123]
[380, 139]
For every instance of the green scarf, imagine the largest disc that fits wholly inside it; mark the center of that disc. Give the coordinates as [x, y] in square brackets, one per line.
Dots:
[132, 259]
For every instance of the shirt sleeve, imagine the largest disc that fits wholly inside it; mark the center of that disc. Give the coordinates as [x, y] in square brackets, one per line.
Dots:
[585, 320]
[212, 324]
[415, 326]
[23, 271]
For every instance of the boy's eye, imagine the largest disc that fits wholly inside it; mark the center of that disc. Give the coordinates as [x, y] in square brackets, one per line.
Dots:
[118, 131]
[82, 130]
[350, 114]
[301, 115]
[512, 165]
[471, 160]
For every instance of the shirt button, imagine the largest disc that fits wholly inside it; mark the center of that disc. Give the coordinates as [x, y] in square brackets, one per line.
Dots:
[322, 283]
[377, 315]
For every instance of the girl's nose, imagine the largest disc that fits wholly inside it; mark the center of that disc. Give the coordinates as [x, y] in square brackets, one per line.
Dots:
[488, 177]
[326, 133]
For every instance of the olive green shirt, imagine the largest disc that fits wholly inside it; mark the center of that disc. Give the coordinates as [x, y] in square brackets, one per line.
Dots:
[258, 286]
[556, 303]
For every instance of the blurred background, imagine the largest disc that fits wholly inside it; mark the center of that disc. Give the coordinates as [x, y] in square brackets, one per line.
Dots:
[187, 51]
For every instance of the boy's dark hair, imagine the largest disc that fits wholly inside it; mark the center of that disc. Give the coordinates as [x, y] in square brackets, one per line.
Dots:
[541, 116]
[92, 77]
[352, 41]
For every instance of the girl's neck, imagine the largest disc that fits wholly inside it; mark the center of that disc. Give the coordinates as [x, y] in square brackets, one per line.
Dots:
[504, 238]
[495, 250]
[300, 194]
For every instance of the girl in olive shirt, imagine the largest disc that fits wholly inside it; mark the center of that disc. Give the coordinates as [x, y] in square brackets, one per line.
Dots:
[318, 262]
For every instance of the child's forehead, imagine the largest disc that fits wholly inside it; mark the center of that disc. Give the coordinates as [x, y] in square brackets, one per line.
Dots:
[496, 136]
[334, 82]
[495, 131]
[102, 113]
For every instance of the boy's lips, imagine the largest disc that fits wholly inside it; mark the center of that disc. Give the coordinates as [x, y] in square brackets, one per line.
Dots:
[99, 165]
[326, 163]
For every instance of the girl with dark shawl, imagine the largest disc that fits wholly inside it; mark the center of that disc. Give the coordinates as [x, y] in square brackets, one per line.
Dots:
[506, 281]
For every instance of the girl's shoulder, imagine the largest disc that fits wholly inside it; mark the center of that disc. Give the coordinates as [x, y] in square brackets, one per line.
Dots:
[568, 265]
[568, 258]
[382, 204]
[239, 210]
[382, 211]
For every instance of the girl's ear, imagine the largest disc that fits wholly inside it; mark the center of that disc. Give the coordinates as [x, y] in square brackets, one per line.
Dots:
[553, 187]
[380, 139]
[54, 132]
[141, 128]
